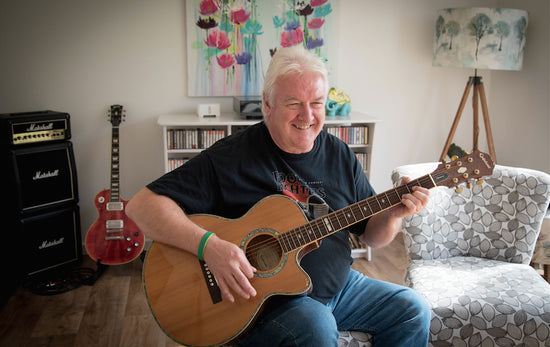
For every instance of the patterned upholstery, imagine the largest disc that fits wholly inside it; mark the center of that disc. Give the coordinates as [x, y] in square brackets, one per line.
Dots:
[469, 256]
[354, 339]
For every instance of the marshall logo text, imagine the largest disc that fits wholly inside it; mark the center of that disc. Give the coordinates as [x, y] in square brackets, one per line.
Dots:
[40, 127]
[41, 175]
[47, 244]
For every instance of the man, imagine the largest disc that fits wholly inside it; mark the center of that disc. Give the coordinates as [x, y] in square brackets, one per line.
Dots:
[288, 153]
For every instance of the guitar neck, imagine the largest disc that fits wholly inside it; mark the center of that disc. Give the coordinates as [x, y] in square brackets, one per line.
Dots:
[329, 224]
[115, 160]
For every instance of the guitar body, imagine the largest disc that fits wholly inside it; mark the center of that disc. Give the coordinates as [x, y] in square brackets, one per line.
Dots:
[177, 288]
[113, 238]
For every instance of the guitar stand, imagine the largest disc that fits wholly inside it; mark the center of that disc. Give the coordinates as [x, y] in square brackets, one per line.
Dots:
[90, 281]
[478, 96]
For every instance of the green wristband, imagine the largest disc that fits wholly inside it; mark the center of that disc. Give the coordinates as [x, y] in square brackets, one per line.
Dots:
[202, 244]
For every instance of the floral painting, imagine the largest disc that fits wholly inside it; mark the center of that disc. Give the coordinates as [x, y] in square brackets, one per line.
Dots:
[230, 42]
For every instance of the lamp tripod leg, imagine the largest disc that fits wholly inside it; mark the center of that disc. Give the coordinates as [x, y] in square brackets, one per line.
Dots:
[457, 119]
[488, 132]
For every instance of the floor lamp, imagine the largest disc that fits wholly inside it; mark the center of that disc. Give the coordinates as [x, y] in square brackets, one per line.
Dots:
[478, 38]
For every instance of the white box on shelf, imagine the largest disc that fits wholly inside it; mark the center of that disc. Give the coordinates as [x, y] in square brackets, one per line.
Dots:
[208, 110]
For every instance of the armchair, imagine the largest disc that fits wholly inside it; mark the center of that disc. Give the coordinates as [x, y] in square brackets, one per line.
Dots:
[469, 255]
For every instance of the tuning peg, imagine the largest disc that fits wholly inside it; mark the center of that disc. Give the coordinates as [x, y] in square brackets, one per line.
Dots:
[454, 157]
[458, 190]
[480, 181]
[470, 185]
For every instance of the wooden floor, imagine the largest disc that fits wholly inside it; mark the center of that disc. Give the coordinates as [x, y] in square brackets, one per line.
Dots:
[114, 311]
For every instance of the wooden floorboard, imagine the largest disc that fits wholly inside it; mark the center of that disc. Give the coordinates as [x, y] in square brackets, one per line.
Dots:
[114, 311]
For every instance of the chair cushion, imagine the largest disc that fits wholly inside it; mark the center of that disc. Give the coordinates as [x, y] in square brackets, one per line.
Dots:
[354, 339]
[499, 219]
[476, 300]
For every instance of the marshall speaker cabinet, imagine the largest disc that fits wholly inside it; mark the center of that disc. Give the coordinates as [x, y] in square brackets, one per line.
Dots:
[50, 240]
[40, 182]
[43, 176]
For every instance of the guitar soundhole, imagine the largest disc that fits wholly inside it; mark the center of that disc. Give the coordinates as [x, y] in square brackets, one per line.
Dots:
[264, 252]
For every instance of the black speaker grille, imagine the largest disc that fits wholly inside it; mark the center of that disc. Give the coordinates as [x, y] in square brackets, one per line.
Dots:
[45, 176]
[51, 240]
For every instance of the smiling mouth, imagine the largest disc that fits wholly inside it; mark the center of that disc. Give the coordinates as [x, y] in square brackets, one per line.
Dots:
[302, 127]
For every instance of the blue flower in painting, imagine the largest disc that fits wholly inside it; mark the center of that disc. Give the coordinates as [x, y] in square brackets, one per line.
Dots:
[243, 58]
[252, 27]
[278, 22]
[312, 42]
[323, 11]
[295, 24]
[226, 26]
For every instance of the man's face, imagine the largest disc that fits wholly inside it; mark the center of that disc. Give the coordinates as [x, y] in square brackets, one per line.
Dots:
[297, 112]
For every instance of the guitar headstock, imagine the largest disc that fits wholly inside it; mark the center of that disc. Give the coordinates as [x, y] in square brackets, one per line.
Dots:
[470, 167]
[117, 114]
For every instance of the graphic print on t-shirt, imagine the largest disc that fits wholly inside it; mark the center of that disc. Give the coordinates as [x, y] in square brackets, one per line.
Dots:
[309, 195]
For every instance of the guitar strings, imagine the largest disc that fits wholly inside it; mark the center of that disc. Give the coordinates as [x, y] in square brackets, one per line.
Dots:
[295, 236]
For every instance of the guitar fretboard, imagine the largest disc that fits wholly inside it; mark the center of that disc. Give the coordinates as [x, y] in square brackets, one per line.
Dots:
[338, 220]
[115, 158]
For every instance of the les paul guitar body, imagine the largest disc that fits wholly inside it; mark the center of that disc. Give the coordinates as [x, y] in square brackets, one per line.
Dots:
[113, 238]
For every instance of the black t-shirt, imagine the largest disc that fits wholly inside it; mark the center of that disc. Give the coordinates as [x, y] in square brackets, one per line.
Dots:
[228, 178]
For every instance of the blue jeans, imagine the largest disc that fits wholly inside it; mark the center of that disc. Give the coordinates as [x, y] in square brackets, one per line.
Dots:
[393, 314]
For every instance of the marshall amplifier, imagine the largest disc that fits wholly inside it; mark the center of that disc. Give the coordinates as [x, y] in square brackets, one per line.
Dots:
[34, 127]
[42, 176]
[50, 240]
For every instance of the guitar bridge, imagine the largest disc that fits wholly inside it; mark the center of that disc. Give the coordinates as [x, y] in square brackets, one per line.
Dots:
[115, 206]
[211, 283]
[113, 238]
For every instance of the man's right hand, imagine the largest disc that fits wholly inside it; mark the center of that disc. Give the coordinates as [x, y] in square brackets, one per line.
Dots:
[230, 267]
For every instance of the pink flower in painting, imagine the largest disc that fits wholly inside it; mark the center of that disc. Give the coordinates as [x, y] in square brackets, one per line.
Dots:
[225, 60]
[291, 38]
[218, 39]
[239, 16]
[316, 23]
[208, 7]
[316, 3]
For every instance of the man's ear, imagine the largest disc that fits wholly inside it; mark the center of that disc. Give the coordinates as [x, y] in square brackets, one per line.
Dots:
[267, 106]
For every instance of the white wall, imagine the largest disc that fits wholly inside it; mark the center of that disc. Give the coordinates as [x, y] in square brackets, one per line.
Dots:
[82, 56]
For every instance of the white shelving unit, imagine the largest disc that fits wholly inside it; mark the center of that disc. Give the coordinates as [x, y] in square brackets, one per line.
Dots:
[186, 135]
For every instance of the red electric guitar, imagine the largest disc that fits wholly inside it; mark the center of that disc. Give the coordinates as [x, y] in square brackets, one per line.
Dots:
[113, 238]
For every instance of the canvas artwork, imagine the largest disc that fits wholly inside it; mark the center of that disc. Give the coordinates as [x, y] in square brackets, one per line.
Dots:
[230, 42]
[480, 38]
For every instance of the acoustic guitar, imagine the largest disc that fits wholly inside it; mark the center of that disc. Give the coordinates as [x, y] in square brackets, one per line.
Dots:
[113, 238]
[274, 234]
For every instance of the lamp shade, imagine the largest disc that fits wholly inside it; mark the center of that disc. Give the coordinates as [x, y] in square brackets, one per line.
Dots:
[480, 38]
